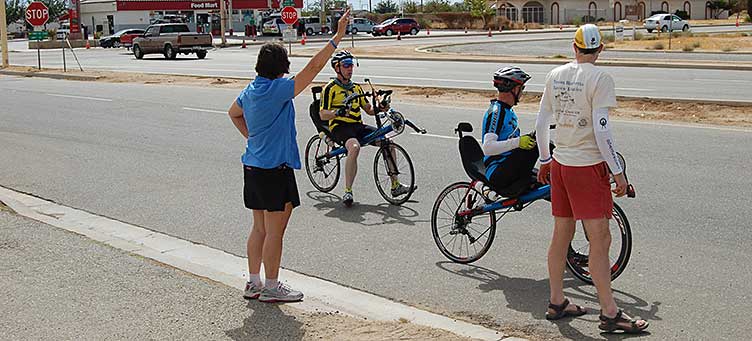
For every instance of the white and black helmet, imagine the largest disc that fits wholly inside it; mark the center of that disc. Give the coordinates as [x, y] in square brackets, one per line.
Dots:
[506, 78]
[340, 56]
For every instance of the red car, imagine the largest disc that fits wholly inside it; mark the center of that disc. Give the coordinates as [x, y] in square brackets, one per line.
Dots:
[126, 40]
[392, 26]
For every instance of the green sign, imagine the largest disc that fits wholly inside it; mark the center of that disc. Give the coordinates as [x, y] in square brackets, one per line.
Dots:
[38, 35]
[288, 3]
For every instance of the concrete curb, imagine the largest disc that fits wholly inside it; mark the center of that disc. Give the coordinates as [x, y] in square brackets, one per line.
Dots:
[230, 269]
[743, 53]
[43, 74]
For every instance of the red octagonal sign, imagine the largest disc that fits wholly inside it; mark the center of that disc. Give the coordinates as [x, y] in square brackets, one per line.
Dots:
[37, 14]
[289, 15]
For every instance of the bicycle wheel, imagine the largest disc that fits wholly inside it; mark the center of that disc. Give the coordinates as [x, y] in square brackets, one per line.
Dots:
[619, 252]
[323, 172]
[461, 239]
[387, 166]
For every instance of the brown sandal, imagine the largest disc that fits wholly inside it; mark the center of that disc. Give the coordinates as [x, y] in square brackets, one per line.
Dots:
[561, 312]
[612, 324]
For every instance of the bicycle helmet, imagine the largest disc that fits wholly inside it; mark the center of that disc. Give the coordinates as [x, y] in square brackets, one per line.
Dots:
[341, 56]
[506, 78]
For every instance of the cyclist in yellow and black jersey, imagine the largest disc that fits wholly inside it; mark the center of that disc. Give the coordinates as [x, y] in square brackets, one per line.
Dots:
[347, 125]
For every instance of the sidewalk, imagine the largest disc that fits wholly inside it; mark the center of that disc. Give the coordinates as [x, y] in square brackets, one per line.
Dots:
[60, 285]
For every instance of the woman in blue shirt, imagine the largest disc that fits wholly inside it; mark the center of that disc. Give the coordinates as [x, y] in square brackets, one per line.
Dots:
[264, 113]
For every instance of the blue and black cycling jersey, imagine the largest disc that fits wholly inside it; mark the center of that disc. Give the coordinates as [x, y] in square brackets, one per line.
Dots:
[501, 120]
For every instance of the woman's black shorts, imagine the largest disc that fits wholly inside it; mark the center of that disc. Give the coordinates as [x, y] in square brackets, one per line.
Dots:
[270, 189]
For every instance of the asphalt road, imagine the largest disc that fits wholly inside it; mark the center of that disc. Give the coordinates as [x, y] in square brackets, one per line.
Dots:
[564, 47]
[237, 62]
[168, 158]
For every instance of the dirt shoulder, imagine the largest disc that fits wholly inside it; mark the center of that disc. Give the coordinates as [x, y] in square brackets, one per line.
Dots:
[632, 109]
[721, 43]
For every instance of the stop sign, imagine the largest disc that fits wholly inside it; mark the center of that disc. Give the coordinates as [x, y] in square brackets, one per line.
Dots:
[289, 15]
[37, 14]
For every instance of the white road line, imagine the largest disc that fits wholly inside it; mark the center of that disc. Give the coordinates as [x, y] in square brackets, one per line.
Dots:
[82, 97]
[411, 78]
[433, 135]
[723, 80]
[205, 110]
[634, 89]
[218, 265]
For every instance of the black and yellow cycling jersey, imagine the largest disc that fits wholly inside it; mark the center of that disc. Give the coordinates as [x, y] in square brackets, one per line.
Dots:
[333, 98]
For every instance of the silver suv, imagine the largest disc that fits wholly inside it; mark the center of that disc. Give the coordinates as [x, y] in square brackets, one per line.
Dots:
[313, 25]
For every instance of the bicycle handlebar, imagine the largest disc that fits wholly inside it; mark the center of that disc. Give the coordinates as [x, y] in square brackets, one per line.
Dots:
[416, 128]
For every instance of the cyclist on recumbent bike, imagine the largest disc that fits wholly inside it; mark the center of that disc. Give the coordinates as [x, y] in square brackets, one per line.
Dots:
[347, 125]
[509, 158]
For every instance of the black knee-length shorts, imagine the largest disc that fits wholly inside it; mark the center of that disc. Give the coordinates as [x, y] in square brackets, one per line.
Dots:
[269, 189]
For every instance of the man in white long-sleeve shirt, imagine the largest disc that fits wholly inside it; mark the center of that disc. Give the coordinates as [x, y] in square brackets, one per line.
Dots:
[578, 96]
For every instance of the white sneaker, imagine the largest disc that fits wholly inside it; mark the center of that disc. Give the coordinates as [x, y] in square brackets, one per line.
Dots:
[282, 293]
[252, 291]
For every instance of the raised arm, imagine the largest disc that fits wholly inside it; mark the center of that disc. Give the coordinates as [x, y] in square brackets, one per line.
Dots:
[304, 78]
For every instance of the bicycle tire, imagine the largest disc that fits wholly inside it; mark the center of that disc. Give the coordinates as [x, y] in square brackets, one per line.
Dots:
[577, 260]
[320, 170]
[468, 196]
[385, 178]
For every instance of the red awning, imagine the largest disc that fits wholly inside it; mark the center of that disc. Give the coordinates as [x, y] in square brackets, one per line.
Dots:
[194, 5]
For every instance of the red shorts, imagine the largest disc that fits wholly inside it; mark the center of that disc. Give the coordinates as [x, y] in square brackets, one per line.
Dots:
[581, 192]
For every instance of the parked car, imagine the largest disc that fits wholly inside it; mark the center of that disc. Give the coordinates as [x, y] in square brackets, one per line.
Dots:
[664, 22]
[393, 26]
[273, 26]
[126, 40]
[360, 25]
[114, 40]
[313, 25]
[170, 40]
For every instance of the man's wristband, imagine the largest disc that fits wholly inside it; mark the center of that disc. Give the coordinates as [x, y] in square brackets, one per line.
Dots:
[331, 42]
[543, 162]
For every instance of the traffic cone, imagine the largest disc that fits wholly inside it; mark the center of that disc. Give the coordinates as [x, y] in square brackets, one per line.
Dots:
[465, 29]
[303, 40]
[88, 46]
[561, 27]
[243, 46]
[489, 33]
[399, 35]
[428, 31]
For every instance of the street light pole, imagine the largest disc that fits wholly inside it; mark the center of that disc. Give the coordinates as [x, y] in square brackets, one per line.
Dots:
[3, 34]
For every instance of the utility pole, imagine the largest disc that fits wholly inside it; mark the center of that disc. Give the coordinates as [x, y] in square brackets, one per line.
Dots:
[3, 34]
[222, 21]
[322, 16]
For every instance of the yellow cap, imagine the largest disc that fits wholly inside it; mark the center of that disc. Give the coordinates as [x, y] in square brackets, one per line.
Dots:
[587, 37]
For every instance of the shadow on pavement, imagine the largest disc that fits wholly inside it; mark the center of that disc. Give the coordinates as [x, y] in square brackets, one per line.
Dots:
[388, 214]
[531, 296]
[267, 322]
